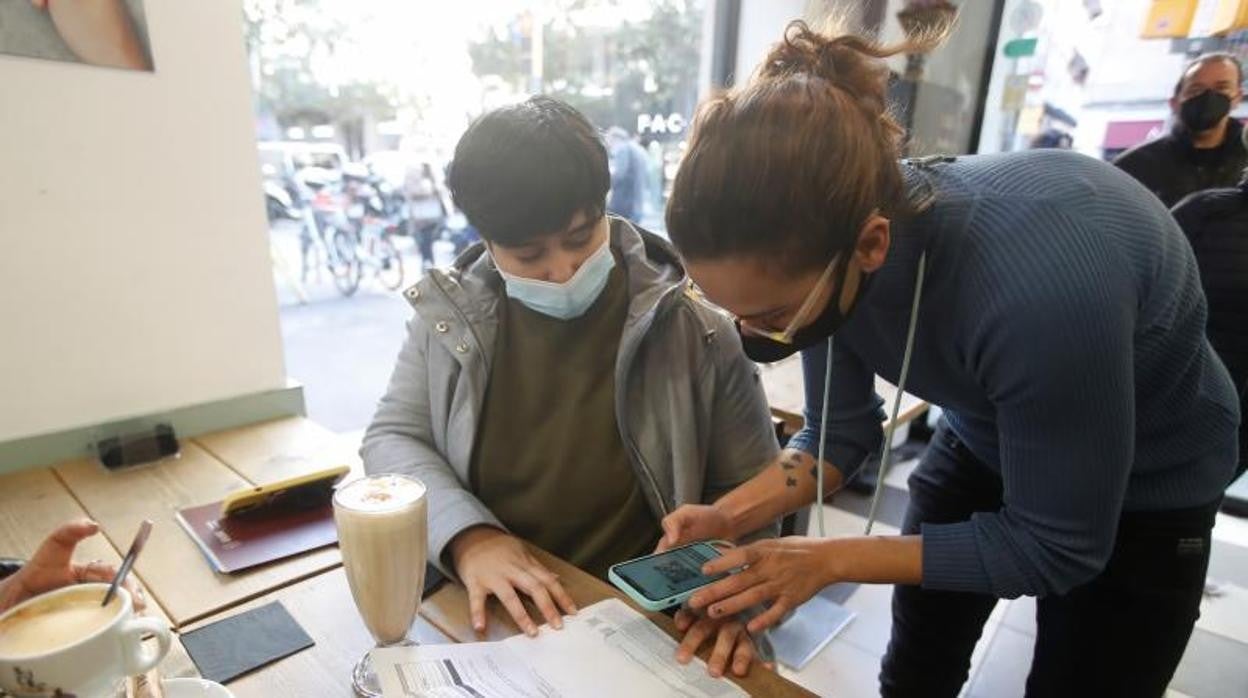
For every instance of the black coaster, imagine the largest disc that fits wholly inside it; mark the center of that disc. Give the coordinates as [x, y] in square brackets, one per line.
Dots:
[232, 647]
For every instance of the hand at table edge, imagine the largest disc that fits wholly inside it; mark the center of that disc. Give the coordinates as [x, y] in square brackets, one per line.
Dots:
[491, 562]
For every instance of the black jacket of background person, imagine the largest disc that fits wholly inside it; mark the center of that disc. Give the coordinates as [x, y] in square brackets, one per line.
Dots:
[1171, 167]
[1216, 223]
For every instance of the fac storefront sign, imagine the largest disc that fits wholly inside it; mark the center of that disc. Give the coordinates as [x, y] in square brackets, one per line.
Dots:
[661, 124]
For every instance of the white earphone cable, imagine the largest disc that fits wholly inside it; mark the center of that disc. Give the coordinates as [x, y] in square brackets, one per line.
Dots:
[823, 431]
[886, 456]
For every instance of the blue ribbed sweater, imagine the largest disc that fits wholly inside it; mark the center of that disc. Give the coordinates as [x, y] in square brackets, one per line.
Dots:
[1062, 329]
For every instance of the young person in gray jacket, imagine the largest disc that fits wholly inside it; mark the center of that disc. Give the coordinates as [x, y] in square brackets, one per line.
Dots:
[559, 383]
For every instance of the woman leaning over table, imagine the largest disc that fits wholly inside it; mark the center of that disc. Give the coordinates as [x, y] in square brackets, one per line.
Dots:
[1044, 299]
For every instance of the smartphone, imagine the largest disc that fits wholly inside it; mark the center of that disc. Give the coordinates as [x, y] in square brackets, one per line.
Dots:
[665, 579]
[301, 492]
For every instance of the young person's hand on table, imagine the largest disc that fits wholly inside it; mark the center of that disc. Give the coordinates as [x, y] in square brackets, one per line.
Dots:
[733, 648]
[493, 563]
[52, 567]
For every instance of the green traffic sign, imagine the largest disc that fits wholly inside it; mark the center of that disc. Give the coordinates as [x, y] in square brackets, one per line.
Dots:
[1019, 48]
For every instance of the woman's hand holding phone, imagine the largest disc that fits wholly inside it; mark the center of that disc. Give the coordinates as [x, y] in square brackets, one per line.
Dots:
[493, 563]
[782, 573]
[694, 522]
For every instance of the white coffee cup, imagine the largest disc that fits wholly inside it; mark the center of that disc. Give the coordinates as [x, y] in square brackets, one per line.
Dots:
[87, 666]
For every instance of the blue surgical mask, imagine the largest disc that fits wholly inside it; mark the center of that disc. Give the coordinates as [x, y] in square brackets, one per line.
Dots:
[571, 298]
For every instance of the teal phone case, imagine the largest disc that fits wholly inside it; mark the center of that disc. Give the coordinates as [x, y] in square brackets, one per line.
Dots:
[641, 599]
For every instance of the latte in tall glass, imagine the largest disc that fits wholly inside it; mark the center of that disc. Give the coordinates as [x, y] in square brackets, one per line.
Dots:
[383, 535]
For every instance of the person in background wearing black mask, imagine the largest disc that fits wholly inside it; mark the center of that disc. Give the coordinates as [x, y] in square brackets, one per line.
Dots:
[1205, 148]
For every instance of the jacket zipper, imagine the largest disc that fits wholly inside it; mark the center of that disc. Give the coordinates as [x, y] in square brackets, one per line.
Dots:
[620, 413]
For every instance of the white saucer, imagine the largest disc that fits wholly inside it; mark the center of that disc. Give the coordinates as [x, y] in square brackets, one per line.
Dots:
[194, 688]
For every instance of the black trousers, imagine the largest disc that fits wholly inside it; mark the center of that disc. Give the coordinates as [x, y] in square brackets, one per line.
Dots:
[1122, 634]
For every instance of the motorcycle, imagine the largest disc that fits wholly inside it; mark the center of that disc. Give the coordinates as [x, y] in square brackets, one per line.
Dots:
[376, 213]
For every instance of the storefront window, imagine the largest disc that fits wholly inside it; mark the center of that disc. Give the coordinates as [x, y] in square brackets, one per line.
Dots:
[359, 105]
[1094, 76]
[374, 75]
[938, 97]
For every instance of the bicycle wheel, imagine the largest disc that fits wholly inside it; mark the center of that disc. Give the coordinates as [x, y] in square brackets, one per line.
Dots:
[389, 263]
[345, 263]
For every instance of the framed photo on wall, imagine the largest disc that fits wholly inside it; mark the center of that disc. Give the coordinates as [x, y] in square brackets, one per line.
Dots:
[106, 33]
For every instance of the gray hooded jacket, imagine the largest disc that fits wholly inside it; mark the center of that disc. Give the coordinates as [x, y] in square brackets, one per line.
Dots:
[689, 404]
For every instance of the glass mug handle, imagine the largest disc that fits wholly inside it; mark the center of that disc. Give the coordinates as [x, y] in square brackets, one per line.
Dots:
[136, 659]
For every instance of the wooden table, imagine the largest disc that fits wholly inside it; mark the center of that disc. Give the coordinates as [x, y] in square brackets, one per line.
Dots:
[312, 587]
[323, 607]
[172, 567]
[32, 503]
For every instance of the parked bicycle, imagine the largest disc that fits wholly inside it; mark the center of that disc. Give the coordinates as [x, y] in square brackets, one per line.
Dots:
[376, 215]
[327, 240]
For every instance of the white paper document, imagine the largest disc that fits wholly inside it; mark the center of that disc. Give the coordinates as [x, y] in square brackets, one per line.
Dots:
[607, 650]
[485, 669]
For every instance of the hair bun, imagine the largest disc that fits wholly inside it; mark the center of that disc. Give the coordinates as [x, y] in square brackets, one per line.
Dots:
[805, 51]
[801, 51]
[847, 61]
[786, 167]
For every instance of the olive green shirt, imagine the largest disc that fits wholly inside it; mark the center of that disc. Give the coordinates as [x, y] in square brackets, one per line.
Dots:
[549, 460]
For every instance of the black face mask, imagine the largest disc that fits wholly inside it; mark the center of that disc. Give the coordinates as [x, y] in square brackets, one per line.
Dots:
[766, 350]
[1204, 111]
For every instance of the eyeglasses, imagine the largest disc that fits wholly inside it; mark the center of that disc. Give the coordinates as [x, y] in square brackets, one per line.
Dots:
[801, 317]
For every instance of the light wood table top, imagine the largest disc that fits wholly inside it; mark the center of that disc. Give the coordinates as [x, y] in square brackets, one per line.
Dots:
[281, 448]
[323, 607]
[32, 504]
[312, 586]
[173, 568]
[447, 609]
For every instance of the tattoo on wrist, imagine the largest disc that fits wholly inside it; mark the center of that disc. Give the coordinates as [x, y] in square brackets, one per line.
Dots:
[790, 461]
[791, 481]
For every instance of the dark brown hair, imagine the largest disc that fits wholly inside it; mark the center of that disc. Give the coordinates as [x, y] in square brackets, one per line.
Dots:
[525, 170]
[1204, 58]
[792, 163]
